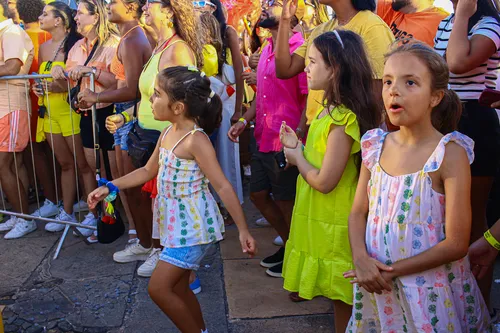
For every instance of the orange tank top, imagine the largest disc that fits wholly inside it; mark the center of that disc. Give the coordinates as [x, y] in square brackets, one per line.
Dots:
[116, 65]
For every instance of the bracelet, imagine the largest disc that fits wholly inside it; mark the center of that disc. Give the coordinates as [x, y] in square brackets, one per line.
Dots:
[243, 120]
[97, 99]
[492, 240]
[126, 116]
[98, 75]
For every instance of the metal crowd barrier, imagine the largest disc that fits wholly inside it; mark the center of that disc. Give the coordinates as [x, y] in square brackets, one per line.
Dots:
[26, 88]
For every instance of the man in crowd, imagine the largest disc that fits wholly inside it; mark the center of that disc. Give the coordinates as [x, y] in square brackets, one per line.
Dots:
[277, 100]
[16, 56]
[417, 19]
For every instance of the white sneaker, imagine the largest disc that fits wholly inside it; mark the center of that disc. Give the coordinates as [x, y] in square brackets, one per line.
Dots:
[62, 216]
[89, 220]
[146, 269]
[9, 224]
[48, 209]
[134, 251]
[278, 241]
[80, 206]
[21, 228]
[262, 222]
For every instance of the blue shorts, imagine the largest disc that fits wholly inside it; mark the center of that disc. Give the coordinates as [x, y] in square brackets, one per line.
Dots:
[121, 134]
[188, 257]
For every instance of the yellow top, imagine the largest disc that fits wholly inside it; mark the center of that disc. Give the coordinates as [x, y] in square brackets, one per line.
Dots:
[210, 61]
[374, 32]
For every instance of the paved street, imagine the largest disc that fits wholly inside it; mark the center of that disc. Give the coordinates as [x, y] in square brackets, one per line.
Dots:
[85, 291]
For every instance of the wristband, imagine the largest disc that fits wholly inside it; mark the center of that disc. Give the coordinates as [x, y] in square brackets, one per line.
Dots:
[97, 99]
[126, 116]
[243, 120]
[492, 240]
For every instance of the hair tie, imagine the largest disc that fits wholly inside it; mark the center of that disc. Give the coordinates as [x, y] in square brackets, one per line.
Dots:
[202, 74]
[212, 94]
[338, 37]
[192, 68]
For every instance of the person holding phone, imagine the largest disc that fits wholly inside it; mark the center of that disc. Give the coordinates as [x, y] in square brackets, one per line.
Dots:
[276, 101]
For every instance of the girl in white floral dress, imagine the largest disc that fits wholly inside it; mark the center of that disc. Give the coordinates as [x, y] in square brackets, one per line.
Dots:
[409, 244]
[186, 216]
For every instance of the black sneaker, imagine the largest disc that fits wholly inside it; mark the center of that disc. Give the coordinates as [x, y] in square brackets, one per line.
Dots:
[275, 271]
[275, 259]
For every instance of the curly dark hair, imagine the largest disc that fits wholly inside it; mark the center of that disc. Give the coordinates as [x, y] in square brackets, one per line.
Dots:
[30, 10]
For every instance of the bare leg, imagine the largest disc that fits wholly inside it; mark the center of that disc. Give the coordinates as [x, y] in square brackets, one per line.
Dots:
[168, 288]
[286, 208]
[271, 211]
[120, 157]
[65, 159]
[11, 185]
[22, 172]
[140, 210]
[342, 314]
[28, 163]
[44, 170]
[480, 191]
[84, 170]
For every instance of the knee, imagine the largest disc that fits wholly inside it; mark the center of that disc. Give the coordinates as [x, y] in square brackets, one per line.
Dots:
[259, 198]
[155, 290]
[66, 165]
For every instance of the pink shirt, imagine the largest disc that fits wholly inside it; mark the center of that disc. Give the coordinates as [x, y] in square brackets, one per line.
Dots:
[277, 100]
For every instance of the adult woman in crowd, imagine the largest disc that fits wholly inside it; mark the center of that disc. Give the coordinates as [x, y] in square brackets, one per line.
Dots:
[58, 124]
[230, 72]
[93, 53]
[29, 11]
[175, 24]
[469, 40]
[132, 53]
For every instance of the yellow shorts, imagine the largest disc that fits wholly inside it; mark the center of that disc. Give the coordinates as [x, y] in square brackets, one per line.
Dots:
[60, 119]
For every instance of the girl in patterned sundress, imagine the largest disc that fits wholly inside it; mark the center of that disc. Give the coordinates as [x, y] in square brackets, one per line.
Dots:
[186, 217]
[410, 222]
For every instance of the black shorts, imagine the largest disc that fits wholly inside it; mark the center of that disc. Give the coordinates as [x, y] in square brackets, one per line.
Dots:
[106, 139]
[481, 124]
[266, 175]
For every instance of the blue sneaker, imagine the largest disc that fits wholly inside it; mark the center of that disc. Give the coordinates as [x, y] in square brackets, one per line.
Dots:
[195, 286]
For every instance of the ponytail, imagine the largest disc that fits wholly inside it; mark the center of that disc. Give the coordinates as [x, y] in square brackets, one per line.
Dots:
[446, 114]
[192, 88]
[211, 117]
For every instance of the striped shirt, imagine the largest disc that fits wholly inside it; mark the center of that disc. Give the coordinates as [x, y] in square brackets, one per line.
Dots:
[470, 85]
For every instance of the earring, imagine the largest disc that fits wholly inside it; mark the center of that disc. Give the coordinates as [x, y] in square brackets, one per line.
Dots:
[170, 24]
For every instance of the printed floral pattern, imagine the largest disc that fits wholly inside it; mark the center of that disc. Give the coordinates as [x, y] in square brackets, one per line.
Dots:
[185, 212]
[406, 217]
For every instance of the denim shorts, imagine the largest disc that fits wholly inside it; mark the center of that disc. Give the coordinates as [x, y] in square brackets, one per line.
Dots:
[121, 134]
[188, 257]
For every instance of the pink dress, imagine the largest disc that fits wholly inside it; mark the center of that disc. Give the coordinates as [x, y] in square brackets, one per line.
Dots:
[407, 217]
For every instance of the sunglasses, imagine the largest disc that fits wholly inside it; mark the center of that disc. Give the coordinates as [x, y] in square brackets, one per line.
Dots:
[270, 3]
[203, 4]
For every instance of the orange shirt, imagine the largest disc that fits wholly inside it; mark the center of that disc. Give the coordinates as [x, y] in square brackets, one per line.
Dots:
[101, 60]
[421, 25]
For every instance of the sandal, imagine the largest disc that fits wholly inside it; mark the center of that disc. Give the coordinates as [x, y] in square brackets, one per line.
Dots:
[92, 239]
[294, 297]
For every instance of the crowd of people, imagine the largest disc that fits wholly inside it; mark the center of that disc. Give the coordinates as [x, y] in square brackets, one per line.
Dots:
[373, 153]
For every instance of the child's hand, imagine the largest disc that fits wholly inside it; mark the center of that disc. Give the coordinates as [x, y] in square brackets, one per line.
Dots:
[482, 257]
[288, 137]
[97, 195]
[368, 275]
[114, 122]
[248, 244]
[293, 155]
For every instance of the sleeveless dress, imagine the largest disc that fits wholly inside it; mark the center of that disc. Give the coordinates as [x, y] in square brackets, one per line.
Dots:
[407, 217]
[185, 212]
[318, 252]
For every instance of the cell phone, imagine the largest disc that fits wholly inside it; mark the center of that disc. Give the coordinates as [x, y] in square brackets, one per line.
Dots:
[38, 82]
[280, 159]
[488, 97]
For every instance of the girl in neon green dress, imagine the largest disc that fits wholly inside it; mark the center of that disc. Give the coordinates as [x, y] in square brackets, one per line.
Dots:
[318, 252]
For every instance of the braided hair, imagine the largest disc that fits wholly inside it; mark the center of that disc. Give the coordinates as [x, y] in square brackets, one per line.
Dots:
[192, 87]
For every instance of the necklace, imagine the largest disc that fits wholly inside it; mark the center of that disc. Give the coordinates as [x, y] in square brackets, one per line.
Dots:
[48, 66]
[345, 21]
[163, 44]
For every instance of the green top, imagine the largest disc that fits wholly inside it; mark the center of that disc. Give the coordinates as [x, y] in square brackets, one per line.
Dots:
[146, 87]
[318, 250]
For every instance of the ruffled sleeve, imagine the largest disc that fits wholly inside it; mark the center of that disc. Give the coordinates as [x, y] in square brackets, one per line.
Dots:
[371, 144]
[434, 162]
[342, 116]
